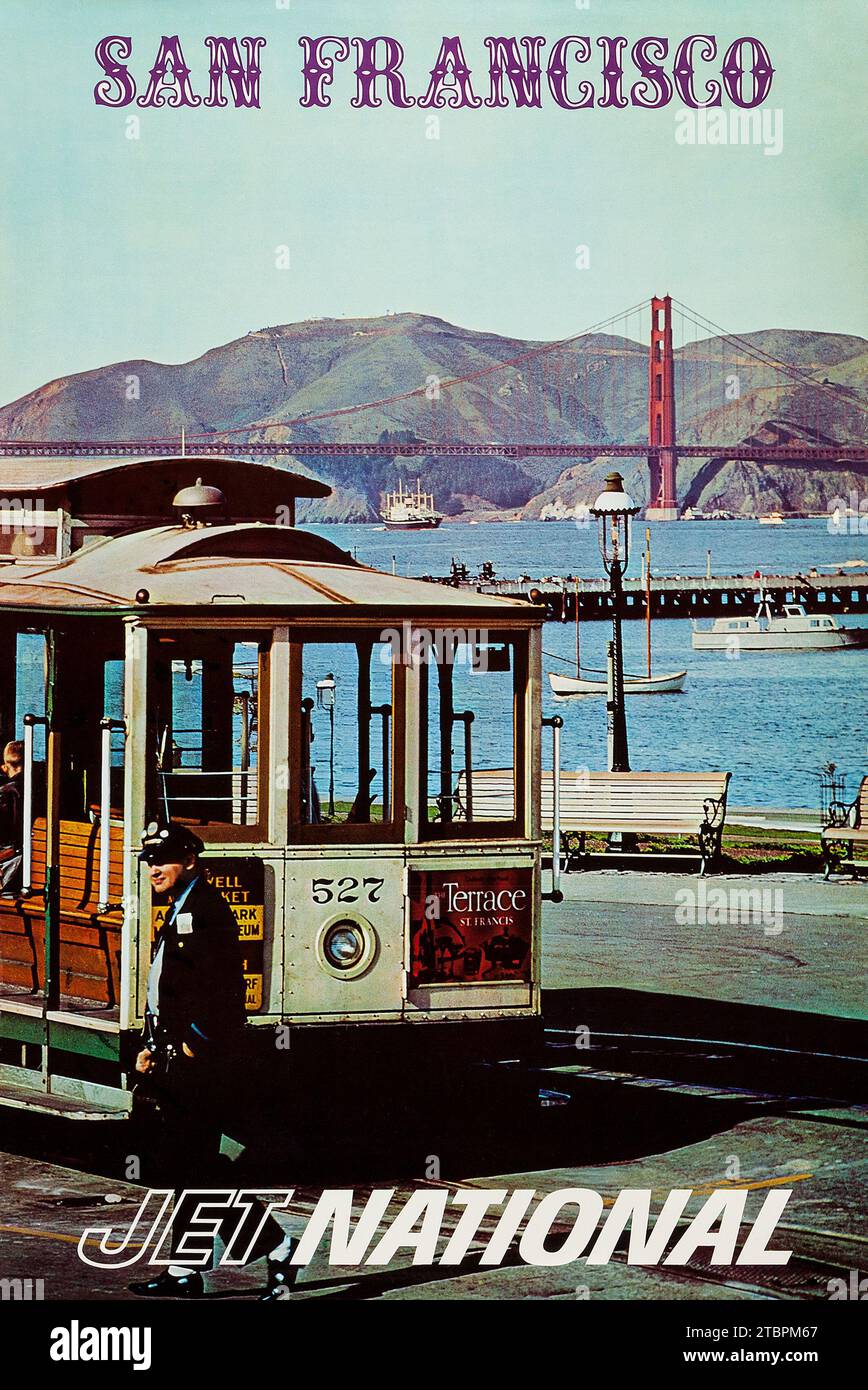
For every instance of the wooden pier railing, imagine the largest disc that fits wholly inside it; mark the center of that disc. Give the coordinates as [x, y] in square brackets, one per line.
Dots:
[680, 596]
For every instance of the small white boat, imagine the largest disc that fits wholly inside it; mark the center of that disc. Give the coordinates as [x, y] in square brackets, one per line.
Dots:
[771, 519]
[791, 630]
[668, 683]
[564, 687]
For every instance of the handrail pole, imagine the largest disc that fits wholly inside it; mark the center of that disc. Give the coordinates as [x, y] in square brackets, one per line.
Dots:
[468, 759]
[306, 769]
[385, 713]
[555, 723]
[107, 726]
[466, 717]
[556, 804]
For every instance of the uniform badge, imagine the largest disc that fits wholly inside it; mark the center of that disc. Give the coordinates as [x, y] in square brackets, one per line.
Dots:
[184, 923]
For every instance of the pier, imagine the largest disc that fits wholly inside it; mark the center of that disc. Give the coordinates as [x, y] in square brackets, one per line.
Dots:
[680, 596]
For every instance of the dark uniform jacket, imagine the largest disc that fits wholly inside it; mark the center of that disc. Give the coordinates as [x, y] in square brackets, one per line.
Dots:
[201, 990]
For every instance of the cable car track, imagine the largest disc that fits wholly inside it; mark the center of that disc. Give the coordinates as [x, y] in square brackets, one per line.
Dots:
[716, 1068]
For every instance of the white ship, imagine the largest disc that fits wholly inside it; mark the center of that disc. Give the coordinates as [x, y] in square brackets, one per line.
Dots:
[793, 629]
[408, 510]
[771, 519]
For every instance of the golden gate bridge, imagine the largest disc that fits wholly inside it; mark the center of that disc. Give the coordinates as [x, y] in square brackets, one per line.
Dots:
[567, 387]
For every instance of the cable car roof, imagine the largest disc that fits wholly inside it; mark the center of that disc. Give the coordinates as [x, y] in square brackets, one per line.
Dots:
[253, 565]
[43, 476]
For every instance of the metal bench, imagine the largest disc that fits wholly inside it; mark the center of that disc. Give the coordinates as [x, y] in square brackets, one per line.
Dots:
[845, 827]
[606, 803]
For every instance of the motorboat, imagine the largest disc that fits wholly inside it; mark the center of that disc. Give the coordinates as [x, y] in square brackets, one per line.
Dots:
[792, 629]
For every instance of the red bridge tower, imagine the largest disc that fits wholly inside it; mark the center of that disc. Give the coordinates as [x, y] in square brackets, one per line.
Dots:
[663, 500]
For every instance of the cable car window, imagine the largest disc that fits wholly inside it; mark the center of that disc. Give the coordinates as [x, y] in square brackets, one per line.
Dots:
[89, 682]
[207, 721]
[30, 689]
[113, 706]
[344, 738]
[472, 733]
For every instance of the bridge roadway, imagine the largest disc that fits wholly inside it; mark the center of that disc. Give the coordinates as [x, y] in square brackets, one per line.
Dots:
[680, 596]
[199, 446]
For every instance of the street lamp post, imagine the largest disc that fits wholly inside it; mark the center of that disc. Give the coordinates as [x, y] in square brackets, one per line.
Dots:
[325, 698]
[614, 510]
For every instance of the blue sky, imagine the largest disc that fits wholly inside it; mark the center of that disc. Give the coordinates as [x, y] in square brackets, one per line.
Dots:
[164, 246]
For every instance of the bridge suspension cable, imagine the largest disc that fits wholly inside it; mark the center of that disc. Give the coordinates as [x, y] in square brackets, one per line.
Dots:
[798, 374]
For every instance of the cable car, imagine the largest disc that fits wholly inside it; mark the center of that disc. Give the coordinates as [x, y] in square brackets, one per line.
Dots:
[317, 723]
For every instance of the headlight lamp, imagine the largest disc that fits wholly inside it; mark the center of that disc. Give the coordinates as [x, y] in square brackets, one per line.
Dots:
[343, 945]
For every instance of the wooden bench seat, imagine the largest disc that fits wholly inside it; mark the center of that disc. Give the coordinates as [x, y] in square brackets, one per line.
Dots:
[846, 826]
[605, 803]
[89, 951]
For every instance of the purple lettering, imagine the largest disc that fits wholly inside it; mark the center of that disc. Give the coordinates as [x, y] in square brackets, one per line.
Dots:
[654, 89]
[367, 73]
[556, 72]
[683, 71]
[504, 59]
[761, 72]
[165, 90]
[514, 72]
[244, 80]
[450, 72]
[104, 92]
[612, 72]
[318, 70]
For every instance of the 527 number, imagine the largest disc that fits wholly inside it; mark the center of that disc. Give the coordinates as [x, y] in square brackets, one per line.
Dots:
[345, 890]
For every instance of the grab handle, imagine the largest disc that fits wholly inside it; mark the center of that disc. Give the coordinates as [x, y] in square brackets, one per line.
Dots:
[555, 723]
[105, 794]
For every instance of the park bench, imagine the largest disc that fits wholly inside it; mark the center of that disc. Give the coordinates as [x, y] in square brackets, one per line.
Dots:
[845, 827]
[90, 940]
[607, 803]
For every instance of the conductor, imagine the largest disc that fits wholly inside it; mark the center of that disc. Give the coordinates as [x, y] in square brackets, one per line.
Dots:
[191, 1043]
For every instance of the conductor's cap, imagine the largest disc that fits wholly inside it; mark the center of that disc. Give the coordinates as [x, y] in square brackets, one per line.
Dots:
[168, 844]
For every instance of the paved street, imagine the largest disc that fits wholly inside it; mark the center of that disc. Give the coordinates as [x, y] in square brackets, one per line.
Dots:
[47, 1206]
[642, 954]
[786, 941]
